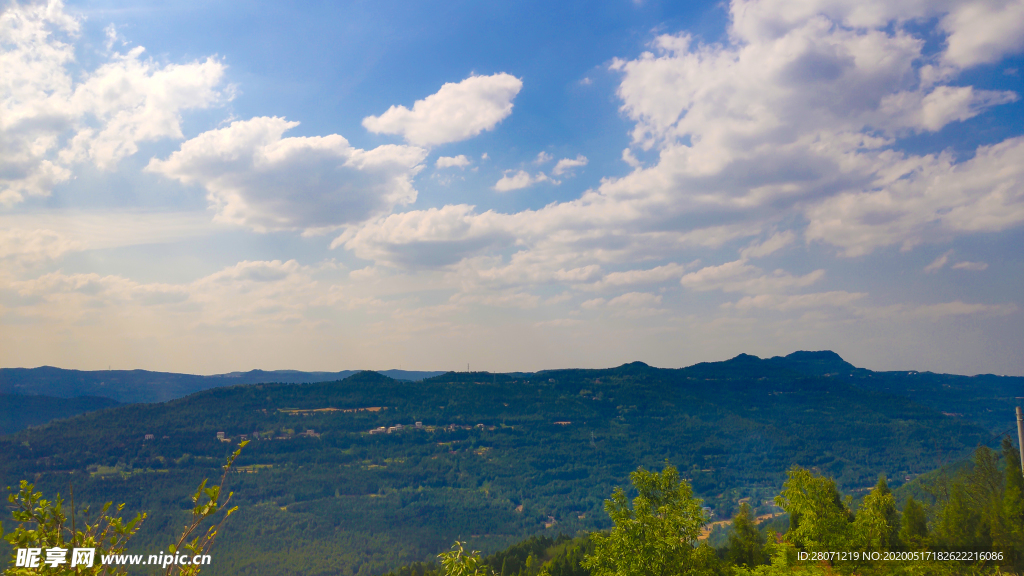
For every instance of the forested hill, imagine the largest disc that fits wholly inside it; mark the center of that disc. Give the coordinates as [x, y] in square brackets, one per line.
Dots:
[17, 412]
[497, 457]
[976, 398]
[130, 386]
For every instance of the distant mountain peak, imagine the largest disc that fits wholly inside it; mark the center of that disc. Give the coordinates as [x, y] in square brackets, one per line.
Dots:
[818, 355]
[815, 363]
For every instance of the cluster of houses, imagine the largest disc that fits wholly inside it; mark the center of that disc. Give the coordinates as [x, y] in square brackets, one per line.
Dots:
[395, 428]
[310, 433]
[420, 426]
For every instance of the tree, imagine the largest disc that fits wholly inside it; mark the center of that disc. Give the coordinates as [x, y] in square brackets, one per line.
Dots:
[819, 519]
[957, 523]
[746, 543]
[457, 562]
[1012, 528]
[914, 525]
[877, 522]
[656, 536]
[972, 512]
[43, 525]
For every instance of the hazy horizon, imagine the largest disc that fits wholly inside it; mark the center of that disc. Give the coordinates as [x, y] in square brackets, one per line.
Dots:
[473, 369]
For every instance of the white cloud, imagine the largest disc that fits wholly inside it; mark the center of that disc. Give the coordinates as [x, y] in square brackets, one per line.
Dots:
[629, 158]
[523, 268]
[134, 100]
[938, 263]
[459, 161]
[628, 305]
[930, 198]
[248, 294]
[456, 112]
[256, 178]
[558, 323]
[738, 276]
[975, 266]
[956, 308]
[776, 242]
[543, 158]
[787, 303]
[519, 179]
[508, 299]
[655, 275]
[635, 300]
[567, 164]
[95, 229]
[30, 246]
[982, 32]
[943, 105]
[50, 119]
[799, 110]
[426, 238]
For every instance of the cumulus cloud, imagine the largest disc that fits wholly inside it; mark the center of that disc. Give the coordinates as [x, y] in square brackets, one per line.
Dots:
[257, 178]
[456, 112]
[567, 164]
[52, 118]
[132, 100]
[543, 158]
[459, 161]
[519, 179]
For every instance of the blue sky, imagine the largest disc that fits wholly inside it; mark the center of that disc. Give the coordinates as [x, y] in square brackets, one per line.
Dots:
[221, 186]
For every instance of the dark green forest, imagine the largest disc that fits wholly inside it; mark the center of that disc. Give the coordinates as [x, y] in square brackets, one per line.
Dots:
[498, 458]
[18, 411]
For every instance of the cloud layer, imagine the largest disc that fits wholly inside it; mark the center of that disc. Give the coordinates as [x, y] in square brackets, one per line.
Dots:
[801, 112]
[764, 177]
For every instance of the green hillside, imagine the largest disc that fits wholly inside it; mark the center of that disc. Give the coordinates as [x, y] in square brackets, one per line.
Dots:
[17, 411]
